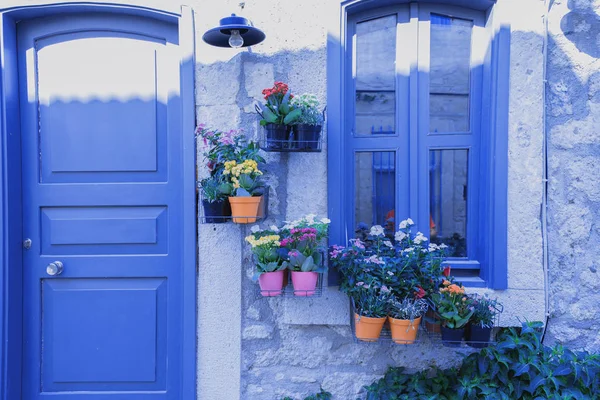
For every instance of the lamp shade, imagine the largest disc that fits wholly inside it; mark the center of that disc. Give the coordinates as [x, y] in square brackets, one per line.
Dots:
[220, 35]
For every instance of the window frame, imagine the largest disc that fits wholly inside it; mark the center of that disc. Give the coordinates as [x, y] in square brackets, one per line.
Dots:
[489, 243]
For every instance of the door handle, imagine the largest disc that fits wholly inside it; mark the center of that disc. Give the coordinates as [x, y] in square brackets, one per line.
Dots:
[54, 268]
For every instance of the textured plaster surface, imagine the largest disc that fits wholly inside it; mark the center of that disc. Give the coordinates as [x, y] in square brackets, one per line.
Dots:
[294, 346]
[574, 186]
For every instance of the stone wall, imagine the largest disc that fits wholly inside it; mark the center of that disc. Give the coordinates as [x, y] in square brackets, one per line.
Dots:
[573, 123]
[294, 346]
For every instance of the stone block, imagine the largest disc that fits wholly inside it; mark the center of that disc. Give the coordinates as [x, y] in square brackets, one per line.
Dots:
[257, 76]
[218, 84]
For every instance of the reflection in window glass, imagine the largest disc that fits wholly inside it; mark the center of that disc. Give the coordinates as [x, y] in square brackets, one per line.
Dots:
[375, 188]
[376, 76]
[449, 75]
[448, 199]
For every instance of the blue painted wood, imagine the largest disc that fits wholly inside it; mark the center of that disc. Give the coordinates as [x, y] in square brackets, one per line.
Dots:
[10, 216]
[486, 226]
[499, 135]
[111, 286]
[187, 34]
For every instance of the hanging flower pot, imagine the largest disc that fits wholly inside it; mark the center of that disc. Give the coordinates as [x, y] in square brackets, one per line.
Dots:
[432, 322]
[245, 209]
[307, 137]
[368, 329]
[271, 283]
[478, 337]
[216, 211]
[277, 136]
[452, 337]
[304, 283]
[404, 331]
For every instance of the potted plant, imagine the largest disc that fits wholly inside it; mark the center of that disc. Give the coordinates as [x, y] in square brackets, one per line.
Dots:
[405, 316]
[482, 321]
[244, 187]
[307, 128]
[454, 309]
[370, 312]
[269, 261]
[277, 115]
[305, 259]
[221, 147]
[215, 205]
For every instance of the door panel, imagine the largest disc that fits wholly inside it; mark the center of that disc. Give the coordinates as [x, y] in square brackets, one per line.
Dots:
[102, 179]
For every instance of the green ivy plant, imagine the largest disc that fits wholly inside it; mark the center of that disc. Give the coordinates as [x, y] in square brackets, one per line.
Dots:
[322, 395]
[518, 367]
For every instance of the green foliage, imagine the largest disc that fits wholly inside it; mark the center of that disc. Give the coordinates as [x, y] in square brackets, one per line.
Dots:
[518, 367]
[210, 189]
[322, 395]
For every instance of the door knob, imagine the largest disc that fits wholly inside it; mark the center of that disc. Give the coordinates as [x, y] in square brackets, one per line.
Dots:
[54, 268]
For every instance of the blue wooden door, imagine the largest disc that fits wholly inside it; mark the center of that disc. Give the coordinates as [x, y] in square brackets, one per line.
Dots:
[102, 179]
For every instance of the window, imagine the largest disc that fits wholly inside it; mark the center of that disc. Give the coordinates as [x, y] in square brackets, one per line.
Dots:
[418, 132]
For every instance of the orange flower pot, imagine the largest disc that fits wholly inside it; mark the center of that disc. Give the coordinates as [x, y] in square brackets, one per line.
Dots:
[368, 329]
[404, 331]
[245, 210]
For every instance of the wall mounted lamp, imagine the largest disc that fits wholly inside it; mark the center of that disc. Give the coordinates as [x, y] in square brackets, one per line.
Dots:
[234, 31]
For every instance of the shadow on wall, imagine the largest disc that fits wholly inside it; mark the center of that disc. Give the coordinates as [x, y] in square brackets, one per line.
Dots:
[582, 26]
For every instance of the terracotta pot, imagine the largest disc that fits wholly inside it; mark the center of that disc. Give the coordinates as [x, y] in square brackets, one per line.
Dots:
[368, 329]
[271, 283]
[432, 327]
[452, 337]
[404, 331]
[247, 207]
[304, 283]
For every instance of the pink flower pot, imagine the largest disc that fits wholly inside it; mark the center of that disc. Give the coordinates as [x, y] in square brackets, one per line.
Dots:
[271, 283]
[304, 283]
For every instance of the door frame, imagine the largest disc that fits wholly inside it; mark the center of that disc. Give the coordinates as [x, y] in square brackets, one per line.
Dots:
[11, 267]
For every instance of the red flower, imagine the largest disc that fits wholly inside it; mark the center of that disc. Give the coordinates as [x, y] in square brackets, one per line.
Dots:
[420, 293]
[446, 271]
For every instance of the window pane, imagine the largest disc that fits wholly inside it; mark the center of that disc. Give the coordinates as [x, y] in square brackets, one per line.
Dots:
[376, 76]
[449, 112]
[449, 75]
[448, 199]
[375, 188]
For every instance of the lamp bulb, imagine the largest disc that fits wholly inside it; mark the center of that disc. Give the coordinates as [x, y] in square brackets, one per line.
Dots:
[235, 39]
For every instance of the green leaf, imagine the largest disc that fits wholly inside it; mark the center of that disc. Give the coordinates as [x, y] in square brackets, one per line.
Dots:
[521, 369]
[292, 116]
[535, 383]
[308, 264]
[269, 116]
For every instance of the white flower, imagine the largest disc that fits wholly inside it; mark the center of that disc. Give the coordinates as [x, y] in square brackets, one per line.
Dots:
[443, 246]
[388, 244]
[408, 250]
[377, 230]
[325, 220]
[410, 222]
[420, 238]
[274, 228]
[433, 247]
[310, 218]
[255, 229]
[400, 236]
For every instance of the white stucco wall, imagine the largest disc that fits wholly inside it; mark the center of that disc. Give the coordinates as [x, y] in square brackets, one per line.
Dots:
[291, 346]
